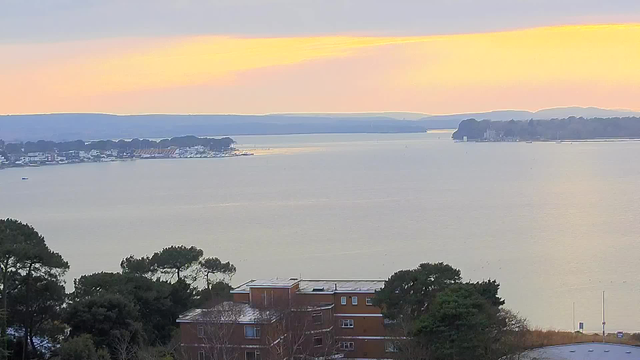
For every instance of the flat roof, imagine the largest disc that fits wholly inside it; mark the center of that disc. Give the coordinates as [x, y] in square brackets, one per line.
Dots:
[229, 312]
[583, 351]
[369, 286]
[275, 283]
[315, 286]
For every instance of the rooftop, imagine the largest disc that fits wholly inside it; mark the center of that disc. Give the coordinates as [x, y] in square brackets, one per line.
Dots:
[278, 283]
[591, 351]
[310, 286]
[340, 285]
[229, 312]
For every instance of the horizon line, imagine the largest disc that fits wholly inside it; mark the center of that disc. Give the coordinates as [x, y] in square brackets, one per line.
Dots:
[320, 113]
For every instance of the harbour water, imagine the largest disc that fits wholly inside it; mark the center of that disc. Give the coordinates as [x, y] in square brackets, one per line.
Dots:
[553, 223]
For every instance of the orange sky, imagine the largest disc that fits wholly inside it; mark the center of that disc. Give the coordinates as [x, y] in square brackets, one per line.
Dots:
[594, 65]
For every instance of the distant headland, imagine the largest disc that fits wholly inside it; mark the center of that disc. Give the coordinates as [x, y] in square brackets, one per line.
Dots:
[43, 152]
[571, 128]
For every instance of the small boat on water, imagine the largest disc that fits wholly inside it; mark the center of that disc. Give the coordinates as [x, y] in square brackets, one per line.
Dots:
[25, 178]
[529, 142]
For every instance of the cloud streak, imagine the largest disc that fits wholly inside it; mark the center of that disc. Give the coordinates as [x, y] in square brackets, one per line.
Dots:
[63, 20]
[529, 69]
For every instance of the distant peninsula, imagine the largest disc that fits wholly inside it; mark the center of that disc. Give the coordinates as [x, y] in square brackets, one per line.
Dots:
[41, 152]
[71, 126]
[571, 128]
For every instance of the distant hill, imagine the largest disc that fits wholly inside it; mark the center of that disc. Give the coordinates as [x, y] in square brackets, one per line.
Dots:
[545, 114]
[398, 115]
[73, 126]
[498, 115]
[65, 127]
[588, 112]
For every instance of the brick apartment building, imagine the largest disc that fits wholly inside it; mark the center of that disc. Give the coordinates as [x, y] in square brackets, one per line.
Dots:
[292, 318]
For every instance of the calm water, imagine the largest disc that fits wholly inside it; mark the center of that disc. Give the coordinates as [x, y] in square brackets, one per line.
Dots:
[554, 223]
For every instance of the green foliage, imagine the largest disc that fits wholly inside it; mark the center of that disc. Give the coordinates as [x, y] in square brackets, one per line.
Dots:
[105, 309]
[102, 354]
[176, 260]
[443, 318]
[149, 298]
[136, 266]
[212, 266]
[43, 317]
[28, 269]
[571, 128]
[182, 296]
[101, 315]
[103, 282]
[461, 324]
[408, 292]
[214, 294]
[489, 291]
[78, 348]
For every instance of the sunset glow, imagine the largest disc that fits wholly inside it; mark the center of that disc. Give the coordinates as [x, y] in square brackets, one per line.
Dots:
[595, 65]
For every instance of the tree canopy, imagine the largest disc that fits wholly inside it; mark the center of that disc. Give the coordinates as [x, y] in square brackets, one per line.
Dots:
[442, 318]
[571, 128]
[120, 145]
[80, 348]
[148, 297]
[137, 307]
[175, 260]
[136, 266]
[408, 292]
[212, 267]
[28, 267]
[101, 316]
[461, 324]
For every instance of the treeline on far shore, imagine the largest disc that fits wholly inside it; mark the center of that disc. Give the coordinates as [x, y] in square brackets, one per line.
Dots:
[572, 128]
[213, 144]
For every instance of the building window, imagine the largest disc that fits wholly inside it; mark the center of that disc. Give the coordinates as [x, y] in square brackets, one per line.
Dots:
[354, 300]
[201, 355]
[201, 330]
[346, 323]
[317, 341]
[369, 301]
[317, 318]
[347, 346]
[252, 332]
[343, 300]
[252, 355]
[391, 346]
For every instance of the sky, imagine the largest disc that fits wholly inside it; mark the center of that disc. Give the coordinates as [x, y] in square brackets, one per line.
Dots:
[266, 56]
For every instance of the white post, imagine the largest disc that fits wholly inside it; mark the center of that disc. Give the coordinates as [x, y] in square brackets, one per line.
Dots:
[573, 317]
[603, 322]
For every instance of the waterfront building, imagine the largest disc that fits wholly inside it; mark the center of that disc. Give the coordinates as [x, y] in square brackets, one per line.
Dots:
[290, 318]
